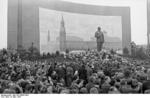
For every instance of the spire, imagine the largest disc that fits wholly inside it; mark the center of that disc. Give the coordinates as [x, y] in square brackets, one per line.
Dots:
[19, 33]
[48, 36]
[62, 25]
[62, 35]
[62, 21]
[148, 23]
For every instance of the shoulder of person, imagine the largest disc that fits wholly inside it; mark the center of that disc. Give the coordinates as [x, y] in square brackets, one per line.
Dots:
[96, 32]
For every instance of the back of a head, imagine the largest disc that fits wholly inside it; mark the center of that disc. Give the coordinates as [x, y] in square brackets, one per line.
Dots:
[147, 91]
[83, 90]
[65, 91]
[113, 90]
[9, 91]
[93, 90]
[99, 28]
[91, 79]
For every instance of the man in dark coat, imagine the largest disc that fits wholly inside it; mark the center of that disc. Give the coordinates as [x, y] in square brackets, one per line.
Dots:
[146, 84]
[83, 74]
[69, 76]
[99, 38]
[61, 72]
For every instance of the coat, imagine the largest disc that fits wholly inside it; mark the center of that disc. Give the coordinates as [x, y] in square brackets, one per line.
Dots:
[99, 36]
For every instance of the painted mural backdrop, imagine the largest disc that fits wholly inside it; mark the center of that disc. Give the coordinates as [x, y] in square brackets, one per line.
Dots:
[80, 30]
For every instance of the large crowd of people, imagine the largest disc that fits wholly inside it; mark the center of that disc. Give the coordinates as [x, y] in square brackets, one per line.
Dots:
[88, 72]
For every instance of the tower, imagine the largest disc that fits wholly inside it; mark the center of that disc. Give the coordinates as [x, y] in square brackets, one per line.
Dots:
[19, 33]
[48, 36]
[148, 24]
[62, 35]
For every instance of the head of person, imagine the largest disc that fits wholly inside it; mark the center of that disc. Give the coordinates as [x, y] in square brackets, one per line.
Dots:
[147, 91]
[93, 90]
[113, 90]
[43, 89]
[134, 83]
[9, 91]
[29, 88]
[50, 89]
[65, 91]
[123, 82]
[92, 79]
[83, 90]
[74, 91]
[99, 28]
[127, 73]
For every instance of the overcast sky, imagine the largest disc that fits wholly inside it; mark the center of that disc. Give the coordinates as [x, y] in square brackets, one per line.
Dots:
[138, 17]
[3, 24]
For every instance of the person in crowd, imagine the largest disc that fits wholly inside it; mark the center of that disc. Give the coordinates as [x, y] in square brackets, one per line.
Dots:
[146, 84]
[91, 72]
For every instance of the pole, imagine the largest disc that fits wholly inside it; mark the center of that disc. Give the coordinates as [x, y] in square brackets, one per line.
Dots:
[148, 25]
[19, 32]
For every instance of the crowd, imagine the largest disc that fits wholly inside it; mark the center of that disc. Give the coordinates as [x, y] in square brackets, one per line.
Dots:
[88, 72]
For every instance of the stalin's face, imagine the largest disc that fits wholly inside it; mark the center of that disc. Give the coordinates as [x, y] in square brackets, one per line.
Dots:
[99, 28]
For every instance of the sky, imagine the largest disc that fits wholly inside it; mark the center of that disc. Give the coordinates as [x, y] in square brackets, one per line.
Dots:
[3, 24]
[138, 17]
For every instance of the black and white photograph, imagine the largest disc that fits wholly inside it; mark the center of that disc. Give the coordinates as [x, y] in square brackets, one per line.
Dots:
[74, 47]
